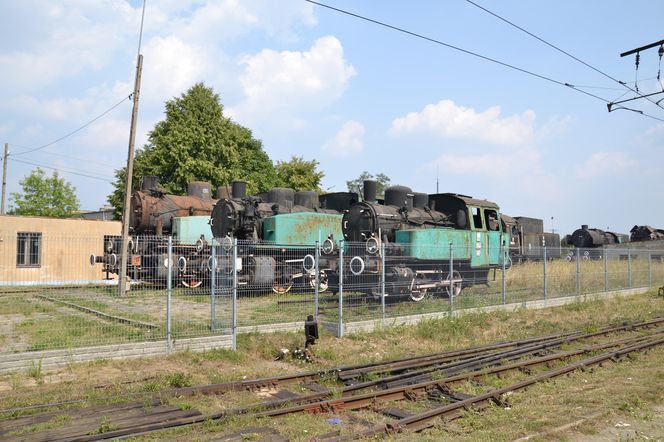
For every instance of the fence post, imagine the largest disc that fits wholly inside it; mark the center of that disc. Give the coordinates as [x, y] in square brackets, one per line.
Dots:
[578, 271]
[606, 270]
[629, 268]
[503, 283]
[341, 290]
[546, 279]
[382, 284]
[317, 278]
[451, 278]
[234, 299]
[649, 268]
[169, 293]
[213, 288]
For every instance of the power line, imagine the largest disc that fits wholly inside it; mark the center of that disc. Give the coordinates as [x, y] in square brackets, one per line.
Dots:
[468, 52]
[85, 160]
[62, 170]
[563, 51]
[78, 129]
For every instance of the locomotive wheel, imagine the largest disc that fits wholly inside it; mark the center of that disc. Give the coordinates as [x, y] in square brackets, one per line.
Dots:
[456, 288]
[417, 296]
[281, 288]
[192, 284]
[323, 284]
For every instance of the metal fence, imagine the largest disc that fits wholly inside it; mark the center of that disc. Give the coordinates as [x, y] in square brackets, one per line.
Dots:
[54, 294]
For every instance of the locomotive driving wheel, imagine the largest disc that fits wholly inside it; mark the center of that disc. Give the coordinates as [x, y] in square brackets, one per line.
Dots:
[282, 287]
[192, 283]
[454, 289]
[417, 294]
[323, 283]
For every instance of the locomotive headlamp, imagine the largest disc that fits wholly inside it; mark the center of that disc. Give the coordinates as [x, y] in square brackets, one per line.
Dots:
[226, 243]
[372, 246]
[328, 246]
[182, 264]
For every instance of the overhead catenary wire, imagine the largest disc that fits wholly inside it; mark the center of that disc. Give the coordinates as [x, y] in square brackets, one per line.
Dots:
[468, 52]
[622, 83]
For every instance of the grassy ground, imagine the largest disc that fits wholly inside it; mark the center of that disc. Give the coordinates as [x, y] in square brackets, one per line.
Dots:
[626, 393]
[28, 322]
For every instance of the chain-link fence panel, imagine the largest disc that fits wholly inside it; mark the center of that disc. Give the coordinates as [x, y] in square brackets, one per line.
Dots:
[277, 283]
[62, 292]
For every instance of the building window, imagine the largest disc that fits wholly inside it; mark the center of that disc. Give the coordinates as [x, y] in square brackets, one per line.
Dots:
[28, 249]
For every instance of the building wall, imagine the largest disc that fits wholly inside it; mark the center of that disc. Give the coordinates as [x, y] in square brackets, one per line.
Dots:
[65, 249]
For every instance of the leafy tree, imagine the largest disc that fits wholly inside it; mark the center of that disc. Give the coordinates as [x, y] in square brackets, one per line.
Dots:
[357, 185]
[196, 142]
[299, 174]
[44, 196]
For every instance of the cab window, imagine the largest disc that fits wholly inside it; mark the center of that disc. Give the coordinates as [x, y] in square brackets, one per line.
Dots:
[491, 220]
[476, 214]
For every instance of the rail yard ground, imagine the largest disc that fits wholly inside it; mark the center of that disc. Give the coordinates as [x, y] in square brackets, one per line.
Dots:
[615, 401]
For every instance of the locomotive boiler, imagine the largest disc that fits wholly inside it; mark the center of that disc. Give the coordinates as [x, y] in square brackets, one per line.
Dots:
[591, 242]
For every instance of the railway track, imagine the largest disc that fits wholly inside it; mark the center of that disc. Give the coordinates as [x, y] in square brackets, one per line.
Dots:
[375, 386]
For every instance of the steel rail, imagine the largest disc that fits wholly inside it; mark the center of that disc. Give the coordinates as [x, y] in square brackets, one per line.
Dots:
[423, 420]
[370, 399]
[273, 382]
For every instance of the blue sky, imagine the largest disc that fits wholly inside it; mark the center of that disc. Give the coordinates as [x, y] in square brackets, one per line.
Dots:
[356, 96]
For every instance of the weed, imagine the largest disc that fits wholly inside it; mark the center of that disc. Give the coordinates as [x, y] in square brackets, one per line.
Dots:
[179, 380]
[35, 372]
[105, 426]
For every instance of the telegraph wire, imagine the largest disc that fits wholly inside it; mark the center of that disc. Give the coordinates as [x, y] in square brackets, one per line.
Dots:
[69, 168]
[636, 81]
[468, 52]
[85, 160]
[78, 129]
[62, 170]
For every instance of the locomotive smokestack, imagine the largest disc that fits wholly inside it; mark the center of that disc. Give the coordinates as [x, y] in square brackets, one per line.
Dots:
[239, 189]
[370, 191]
[149, 182]
[584, 226]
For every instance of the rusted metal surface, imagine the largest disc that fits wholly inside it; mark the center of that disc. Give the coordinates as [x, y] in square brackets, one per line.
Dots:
[148, 209]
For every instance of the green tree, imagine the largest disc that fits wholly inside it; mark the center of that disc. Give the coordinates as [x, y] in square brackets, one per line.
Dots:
[299, 174]
[357, 185]
[196, 142]
[44, 196]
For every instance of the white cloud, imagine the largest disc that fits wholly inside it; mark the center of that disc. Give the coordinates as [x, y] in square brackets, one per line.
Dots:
[171, 67]
[449, 120]
[227, 19]
[348, 141]
[291, 83]
[604, 164]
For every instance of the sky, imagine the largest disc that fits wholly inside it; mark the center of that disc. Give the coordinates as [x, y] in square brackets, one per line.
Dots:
[357, 96]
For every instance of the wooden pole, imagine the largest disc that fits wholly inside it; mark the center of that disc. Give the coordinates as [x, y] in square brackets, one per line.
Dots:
[128, 184]
[4, 178]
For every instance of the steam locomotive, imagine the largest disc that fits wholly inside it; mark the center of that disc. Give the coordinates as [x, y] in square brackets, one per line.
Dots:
[154, 214]
[528, 240]
[436, 243]
[276, 231]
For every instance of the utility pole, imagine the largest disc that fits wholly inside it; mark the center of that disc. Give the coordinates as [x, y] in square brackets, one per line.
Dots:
[4, 178]
[130, 172]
